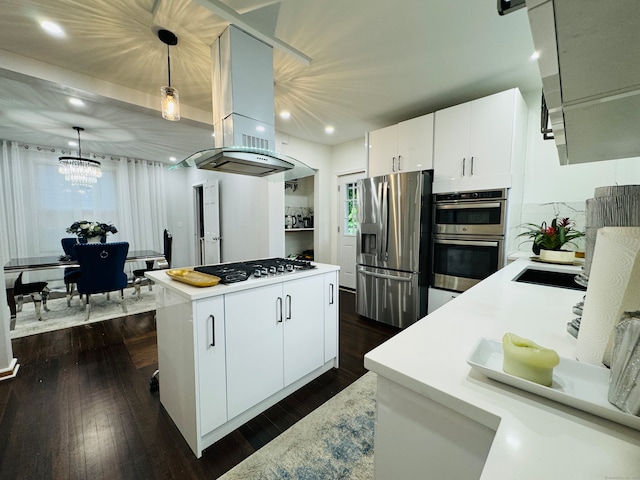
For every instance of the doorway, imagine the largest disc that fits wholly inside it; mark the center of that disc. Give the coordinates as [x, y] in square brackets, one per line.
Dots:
[348, 227]
[207, 223]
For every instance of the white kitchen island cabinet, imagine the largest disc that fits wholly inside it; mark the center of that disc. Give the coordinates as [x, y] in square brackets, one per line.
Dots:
[226, 353]
[479, 144]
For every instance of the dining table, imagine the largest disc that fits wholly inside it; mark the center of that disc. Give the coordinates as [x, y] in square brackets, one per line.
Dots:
[17, 265]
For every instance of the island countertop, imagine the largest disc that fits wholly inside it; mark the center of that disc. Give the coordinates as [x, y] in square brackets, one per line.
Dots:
[535, 437]
[194, 293]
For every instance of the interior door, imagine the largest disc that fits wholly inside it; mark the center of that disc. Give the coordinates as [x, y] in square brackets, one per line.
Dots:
[211, 218]
[348, 205]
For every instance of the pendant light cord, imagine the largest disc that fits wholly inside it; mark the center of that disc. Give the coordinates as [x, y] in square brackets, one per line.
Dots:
[169, 64]
[78, 129]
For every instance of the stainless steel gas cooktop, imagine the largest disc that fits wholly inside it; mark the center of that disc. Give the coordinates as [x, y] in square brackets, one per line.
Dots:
[268, 267]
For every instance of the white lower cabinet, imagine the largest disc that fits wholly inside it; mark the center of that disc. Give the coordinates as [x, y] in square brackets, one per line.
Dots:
[438, 298]
[223, 359]
[210, 348]
[277, 337]
[331, 316]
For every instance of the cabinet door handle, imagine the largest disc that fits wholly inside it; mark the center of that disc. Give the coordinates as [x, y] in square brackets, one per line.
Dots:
[213, 330]
[279, 310]
[393, 164]
[464, 164]
[288, 316]
[331, 298]
[399, 160]
[471, 175]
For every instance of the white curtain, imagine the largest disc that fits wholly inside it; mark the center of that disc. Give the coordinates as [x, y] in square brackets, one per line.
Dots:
[37, 204]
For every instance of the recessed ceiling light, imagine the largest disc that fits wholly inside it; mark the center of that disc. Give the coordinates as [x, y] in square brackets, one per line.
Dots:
[72, 143]
[172, 159]
[285, 115]
[76, 101]
[534, 56]
[260, 128]
[52, 28]
[329, 129]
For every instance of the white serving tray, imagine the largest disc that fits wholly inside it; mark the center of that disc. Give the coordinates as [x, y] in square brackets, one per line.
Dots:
[576, 384]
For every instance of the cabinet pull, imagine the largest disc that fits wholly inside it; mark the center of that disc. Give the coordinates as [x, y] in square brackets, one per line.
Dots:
[399, 160]
[464, 164]
[288, 317]
[393, 164]
[213, 331]
[331, 298]
[471, 175]
[279, 310]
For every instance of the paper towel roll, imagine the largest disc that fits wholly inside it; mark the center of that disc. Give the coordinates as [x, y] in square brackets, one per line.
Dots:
[614, 287]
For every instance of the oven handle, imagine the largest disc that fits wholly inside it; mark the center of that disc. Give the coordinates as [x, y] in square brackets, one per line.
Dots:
[385, 276]
[472, 243]
[465, 206]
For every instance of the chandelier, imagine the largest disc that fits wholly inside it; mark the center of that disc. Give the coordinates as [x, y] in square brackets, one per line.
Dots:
[81, 172]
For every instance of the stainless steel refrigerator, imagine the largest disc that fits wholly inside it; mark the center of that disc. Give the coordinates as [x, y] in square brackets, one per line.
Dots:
[393, 247]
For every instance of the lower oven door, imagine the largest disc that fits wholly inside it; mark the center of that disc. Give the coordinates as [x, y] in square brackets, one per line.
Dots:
[459, 262]
[388, 296]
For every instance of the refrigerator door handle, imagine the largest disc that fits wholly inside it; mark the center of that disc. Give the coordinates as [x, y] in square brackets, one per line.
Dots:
[384, 240]
[385, 276]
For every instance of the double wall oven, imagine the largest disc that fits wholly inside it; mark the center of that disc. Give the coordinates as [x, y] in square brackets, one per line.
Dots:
[468, 237]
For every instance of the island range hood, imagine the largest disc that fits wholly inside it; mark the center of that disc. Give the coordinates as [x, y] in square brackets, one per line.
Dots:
[243, 111]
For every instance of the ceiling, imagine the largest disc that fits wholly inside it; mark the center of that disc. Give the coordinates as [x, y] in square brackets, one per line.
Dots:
[372, 63]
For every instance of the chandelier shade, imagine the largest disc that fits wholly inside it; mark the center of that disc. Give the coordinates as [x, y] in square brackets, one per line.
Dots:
[81, 172]
[170, 99]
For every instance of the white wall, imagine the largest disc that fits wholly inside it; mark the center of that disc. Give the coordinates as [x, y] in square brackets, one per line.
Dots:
[245, 206]
[551, 188]
[346, 158]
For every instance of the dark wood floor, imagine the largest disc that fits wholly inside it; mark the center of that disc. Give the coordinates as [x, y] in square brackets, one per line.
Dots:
[80, 406]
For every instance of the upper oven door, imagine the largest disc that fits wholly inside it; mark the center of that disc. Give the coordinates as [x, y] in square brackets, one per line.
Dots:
[462, 217]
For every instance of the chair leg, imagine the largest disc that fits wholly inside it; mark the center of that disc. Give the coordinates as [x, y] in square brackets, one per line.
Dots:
[37, 301]
[87, 306]
[124, 307]
[19, 304]
[136, 284]
[45, 296]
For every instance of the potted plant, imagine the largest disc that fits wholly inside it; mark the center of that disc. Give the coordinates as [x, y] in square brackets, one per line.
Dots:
[551, 238]
[91, 231]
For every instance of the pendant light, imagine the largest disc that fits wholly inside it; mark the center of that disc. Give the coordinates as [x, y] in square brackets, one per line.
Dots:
[81, 172]
[170, 97]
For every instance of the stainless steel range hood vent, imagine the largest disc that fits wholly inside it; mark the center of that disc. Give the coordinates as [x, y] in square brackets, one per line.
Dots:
[243, 111]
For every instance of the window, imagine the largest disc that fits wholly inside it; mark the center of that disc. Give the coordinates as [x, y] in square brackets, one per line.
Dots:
[351, 209]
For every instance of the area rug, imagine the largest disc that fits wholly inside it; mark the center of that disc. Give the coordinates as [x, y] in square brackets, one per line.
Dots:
[60, 316]
[335, 441]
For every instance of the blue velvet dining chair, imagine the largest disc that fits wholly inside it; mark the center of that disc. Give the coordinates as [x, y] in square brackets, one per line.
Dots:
[71, 274]
[101, 270]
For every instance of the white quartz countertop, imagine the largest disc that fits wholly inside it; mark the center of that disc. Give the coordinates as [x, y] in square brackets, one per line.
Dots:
[194, 293]
[536, 438]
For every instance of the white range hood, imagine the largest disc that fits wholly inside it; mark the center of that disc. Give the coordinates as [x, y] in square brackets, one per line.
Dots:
[590, 75]
[243, 112]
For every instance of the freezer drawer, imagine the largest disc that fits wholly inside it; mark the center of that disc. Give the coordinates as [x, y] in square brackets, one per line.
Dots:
[388, 296]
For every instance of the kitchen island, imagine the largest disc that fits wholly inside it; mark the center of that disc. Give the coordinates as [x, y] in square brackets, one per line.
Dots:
[228, 352]
[439, 418]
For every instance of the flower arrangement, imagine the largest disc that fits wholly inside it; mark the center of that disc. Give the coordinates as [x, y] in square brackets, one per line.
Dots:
[85, 229]
[551, 237]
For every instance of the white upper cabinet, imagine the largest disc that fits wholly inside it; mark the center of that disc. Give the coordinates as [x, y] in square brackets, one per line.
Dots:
[404, 147]
[478, 144]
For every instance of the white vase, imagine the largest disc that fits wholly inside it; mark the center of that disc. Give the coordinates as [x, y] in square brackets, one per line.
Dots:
[557, 256]
[93, 239]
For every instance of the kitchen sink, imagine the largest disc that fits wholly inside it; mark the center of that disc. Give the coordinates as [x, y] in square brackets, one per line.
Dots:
[549, 278]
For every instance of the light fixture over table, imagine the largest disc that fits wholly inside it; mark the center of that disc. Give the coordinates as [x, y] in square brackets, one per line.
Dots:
[81, 172]
[170, 98]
